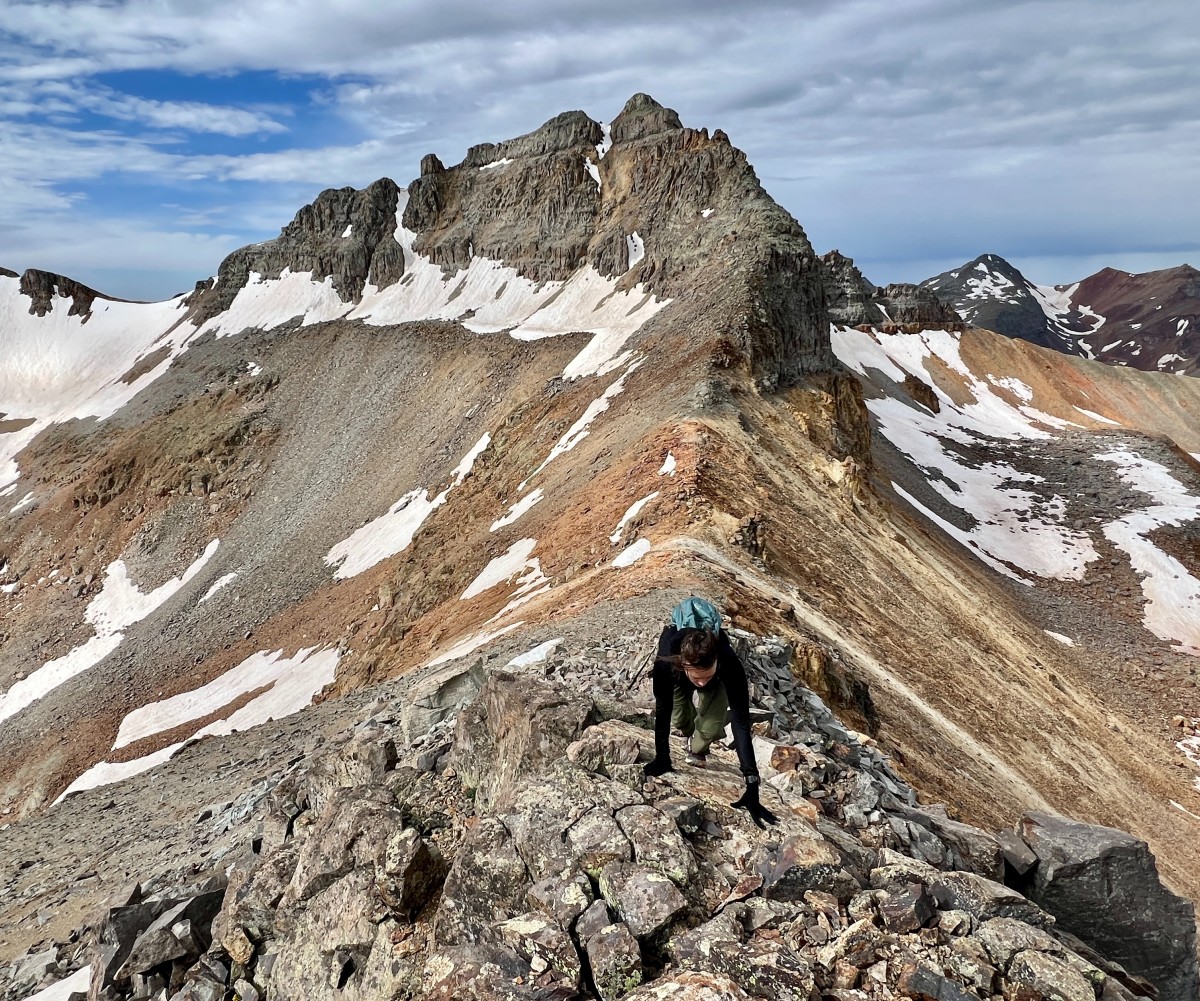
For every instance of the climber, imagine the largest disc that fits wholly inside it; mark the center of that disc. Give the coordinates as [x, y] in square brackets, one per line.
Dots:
[698, 682]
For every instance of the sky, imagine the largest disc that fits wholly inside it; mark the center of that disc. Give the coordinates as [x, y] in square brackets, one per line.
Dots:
[142, 140]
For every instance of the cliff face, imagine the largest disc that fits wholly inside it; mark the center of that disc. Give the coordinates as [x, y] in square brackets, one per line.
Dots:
[346, 235]
[43, 286]
[854, 301]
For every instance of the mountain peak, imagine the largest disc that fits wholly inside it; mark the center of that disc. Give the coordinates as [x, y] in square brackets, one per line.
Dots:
[643, 116]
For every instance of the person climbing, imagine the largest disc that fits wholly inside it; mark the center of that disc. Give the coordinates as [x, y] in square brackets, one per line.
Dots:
[699, 682]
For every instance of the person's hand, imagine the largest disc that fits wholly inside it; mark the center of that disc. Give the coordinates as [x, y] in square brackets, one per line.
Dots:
[749, 802]
[658, 766]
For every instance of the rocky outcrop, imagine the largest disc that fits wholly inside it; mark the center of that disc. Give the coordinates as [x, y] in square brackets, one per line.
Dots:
[853, 301]
[850, 297]
[345, 234]
[1103, 885]
[913, 304]
[43, 287]
[533, 861]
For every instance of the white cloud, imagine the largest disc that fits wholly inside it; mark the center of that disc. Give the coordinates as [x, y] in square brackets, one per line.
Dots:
[936, 134]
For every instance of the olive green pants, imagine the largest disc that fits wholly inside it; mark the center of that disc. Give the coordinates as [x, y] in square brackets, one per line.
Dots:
[701, 715]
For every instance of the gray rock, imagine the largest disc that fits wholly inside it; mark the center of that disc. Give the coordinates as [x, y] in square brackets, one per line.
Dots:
[537, 721]
[543, 943]
[645, 900]
[482, 973]
[657, 843]
[1004, 938]
[615, 960]
[487, 883]
[1017, 854]
[801, 864]
[596, 839]
[597, 916]
[562, 898]
[409, 873]
[917, 980]
[1051, 976]
[905, 910]
[984, 898]
[687, 813]
[1103, 886]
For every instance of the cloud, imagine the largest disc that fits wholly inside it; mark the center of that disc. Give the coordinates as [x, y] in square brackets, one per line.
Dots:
[1047, 130]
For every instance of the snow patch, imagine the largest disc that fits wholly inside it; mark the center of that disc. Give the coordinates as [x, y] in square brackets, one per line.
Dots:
[1064, 640]
[517, 510]
[634, 510]
[119, 605]
[393, 532]
[473, 643]
[502, 569]
[290, 686]
[1097, 417]
[497, 163]
[1172, 593]
[78, 982]
[593, 169]
[24, 502]
[631, 554]
[705, 213]
[347, 231]
[228, 579]
[668, 466]
[635, 249]
[579, 430]
[291, 683]
[538, 655]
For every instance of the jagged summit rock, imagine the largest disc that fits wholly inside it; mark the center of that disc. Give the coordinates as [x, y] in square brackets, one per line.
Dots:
[643, 116]
[346, 235]
[855, 301]
[43, 287]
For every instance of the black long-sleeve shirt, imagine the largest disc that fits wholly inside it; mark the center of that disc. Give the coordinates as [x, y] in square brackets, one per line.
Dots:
[730, 673]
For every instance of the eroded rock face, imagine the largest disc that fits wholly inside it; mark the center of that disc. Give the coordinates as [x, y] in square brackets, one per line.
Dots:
[345, 234]
[854, 301]
[1103, 886]
[44, 287]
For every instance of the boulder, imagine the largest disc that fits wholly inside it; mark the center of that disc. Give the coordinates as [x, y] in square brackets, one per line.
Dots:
[1103, 886]
[482, 973]
[544, 944]
[801, 864]
[984, 898]
[615, 960]
[512, 730]
[689, 986]
[647, 901]
[486, 883]
[563, 898]
[763, 968]
[917, 980]
[1051, 976]
[596, 839]
[905, 910]
[657, 843]
[409, 873]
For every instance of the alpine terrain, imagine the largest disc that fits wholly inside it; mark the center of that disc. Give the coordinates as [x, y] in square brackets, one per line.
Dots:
[1149, 321]
[330, 591]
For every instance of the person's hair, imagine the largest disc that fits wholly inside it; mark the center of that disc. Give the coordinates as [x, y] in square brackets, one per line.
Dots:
[698, 649]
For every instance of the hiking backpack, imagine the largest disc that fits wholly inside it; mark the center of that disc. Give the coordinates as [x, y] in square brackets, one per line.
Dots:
[696, 613]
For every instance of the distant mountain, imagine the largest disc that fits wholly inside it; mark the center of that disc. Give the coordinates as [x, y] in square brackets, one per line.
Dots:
[1147, 321]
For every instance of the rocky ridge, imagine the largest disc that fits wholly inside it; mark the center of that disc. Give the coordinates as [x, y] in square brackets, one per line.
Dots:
[853, 301]
[494, 838]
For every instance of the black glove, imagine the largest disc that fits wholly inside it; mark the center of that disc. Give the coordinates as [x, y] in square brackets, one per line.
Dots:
[657, 767]
[749, 802]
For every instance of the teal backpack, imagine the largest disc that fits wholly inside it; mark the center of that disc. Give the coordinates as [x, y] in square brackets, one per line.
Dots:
[696, 613]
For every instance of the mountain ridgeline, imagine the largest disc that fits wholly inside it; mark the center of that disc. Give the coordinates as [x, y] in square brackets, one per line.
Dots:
[329, 594]
[1145, 321]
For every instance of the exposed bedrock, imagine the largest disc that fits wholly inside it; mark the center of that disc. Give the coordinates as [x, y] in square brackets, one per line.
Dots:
[345, 234]
[1103, 886]
[43, 286]
[854, 301]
